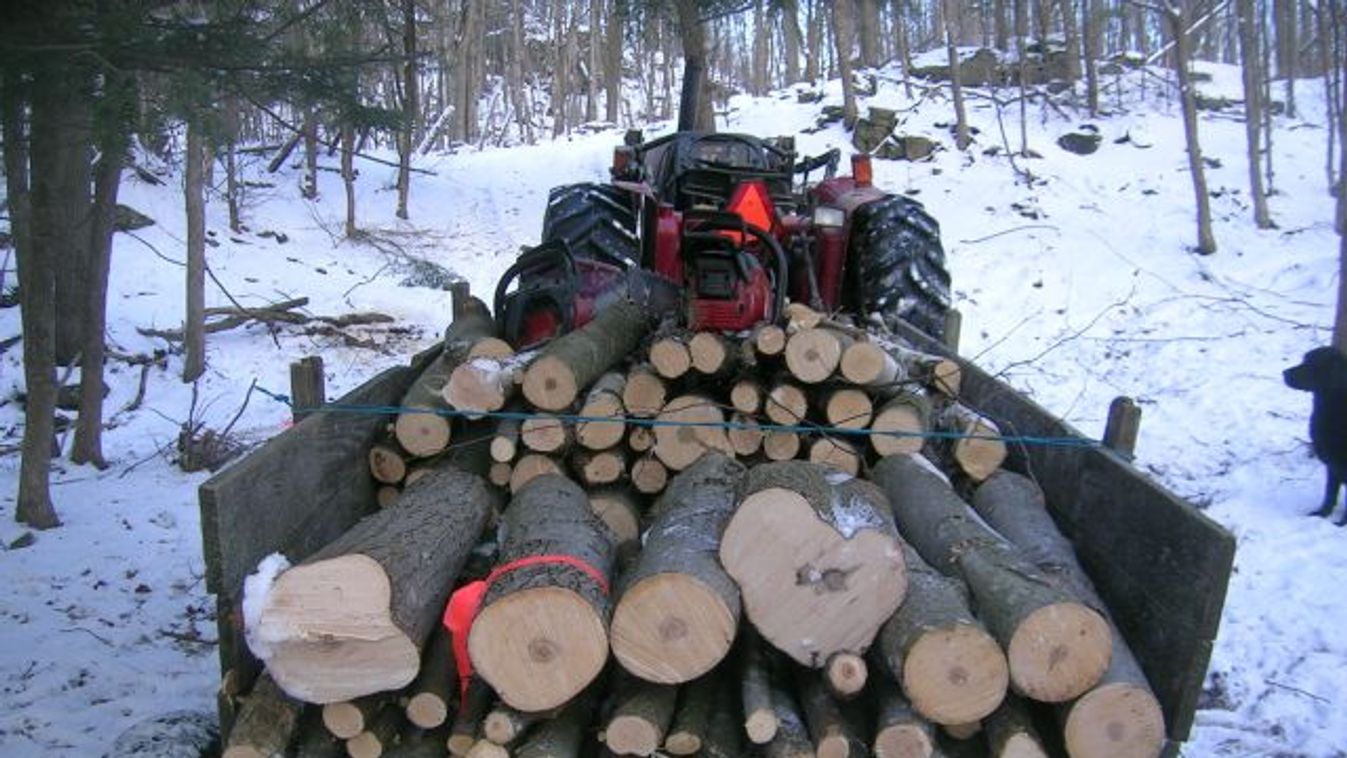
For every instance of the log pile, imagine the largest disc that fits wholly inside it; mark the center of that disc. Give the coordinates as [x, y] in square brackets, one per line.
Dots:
[708, 542]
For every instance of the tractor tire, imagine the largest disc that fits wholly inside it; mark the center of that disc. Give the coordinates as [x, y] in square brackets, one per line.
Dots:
[596, 221]
[899, 265]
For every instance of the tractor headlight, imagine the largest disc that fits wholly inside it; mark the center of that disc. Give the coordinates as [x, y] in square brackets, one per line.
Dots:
[825, 216]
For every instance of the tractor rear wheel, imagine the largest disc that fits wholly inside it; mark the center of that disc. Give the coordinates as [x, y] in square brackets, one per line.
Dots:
[899, 264]
[596, 221]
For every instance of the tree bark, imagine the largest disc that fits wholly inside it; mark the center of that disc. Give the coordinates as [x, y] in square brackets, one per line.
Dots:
[348, 178]
[1011, 732]
[31, 221]
[836, 572]
[559, 737]
[1057, 646]
[71, 211]
[571, 362]
[694, 110]
[844, 35]
[949, 668]
[871, 52]
[194, 329]
[612, 66]
[353, 619]
[425, 434]
[697, 701]
[1253, 107]
[790, 39]
[266, 722]
[604, 400]
[1177, 20]
[410, 105]
[641, 718]
[755, 688]
[541, 635]
[1120, 716]
[962, 138]
[834, 726]
[678, 610]
[435, 686]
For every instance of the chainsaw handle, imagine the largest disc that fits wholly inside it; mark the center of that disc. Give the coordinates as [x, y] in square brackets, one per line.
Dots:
[539, 258]
[712, 220]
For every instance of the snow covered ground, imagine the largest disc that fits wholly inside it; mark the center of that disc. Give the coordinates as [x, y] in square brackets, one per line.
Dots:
[1075, 288]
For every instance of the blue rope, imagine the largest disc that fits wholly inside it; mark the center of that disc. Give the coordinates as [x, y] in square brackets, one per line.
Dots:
[393, 410]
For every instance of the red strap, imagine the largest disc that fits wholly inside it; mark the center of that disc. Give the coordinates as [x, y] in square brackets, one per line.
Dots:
[463, 605]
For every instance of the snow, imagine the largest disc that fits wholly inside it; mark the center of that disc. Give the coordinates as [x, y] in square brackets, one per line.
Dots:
[1074, 289]
[256, 588]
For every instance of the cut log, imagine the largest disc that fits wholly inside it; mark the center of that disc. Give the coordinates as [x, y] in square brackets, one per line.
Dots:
[712, 353]
[786, 404]
[900, 732]
[649, 476]
[644, 393]
[530, 467]
[349, 718]
[813, 355]
[386, 463]
[596, 468]
[781, 446]
[490, 347]
[670, 356]
[505, 443]
[746, 396]
[641, 439]
[949, 667]
[504, 725]
[837, 453]
[379, 736]
[868, 364]
[848, 408]
[835, 730]
[678, 611]
[800, 317]
[745, 435]
[942, 375]
[468, 718]
[353, 618]
[571, 362]
[603, 401]
[387, 496]
[484, 748]
[1120, 716]
[755, 689]
[429, 696]
[558, 737]
[901, 424]
[1011, 732]
[846, 675]
[541, 635]
[835, 572]
[1057, 647]
[616, 507]
[978, 452]
[641, 716]
[425, 434]
[545, 433]
[688, 426]
[696, 701]
[768, 339]
[791, 739]
[485, 384]
[499, 474]
[266, 722]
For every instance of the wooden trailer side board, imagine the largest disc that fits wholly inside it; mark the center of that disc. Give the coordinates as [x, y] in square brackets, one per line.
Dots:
[1160, 564]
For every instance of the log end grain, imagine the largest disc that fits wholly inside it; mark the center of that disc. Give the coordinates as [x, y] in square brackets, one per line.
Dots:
[550, 384]
[837, 453]
[360, 652]
[690, 425]
[846, 674]
[632, 735]
[904, 426]
[427, 710]
[769, 339]
[556, 645]
[386, 464]
[812, 355]
[422, 434]
[957, 675]
[760, 726]
[601, 435]
[671, 628]
[344, 720]
[1059, 651]
[980, 454]
[682, 743]
[670, 357]
[530, 467]
[903, 741]
[1121, 720]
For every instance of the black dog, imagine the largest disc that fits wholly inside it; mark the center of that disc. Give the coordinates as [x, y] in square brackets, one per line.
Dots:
[1324, 372]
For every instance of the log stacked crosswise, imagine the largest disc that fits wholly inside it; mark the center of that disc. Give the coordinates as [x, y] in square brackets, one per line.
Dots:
[688, 543]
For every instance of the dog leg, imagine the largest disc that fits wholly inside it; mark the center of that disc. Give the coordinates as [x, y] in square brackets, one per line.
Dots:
[1331, 484]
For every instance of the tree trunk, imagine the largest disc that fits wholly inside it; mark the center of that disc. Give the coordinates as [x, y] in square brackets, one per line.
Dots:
[1057, 647]
[1177, 18]
[348, 178]
[694, 109]
[194, 330]
[1120, 715]
[813, 41]
[595, 63]
[612, 66]
[266, 722]
[541, 635]
[949, 668]
[572, 361]
[678, 611]
[1253, 107]
[961, 135]
[71, 209]
[114, 141]
[30, 224]
[426, 434]
[561, 77]
[1284, 12]
[844, 36]
[353, 618]
[758, 81]
[1091, 21]
[904, 45]
[790, 39]
[837, 571]
[233, 189]
[410, 106]
[871, 54]
[641, 716]
[1071, 32]
[310, 128]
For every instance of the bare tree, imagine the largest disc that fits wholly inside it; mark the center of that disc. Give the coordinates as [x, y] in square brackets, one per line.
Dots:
[1253, 107]
[194, 183]
[612, 67]
[961, 135]
[868, 11]
[844, 36]
[790, 38]
[1176, 17]
[410, 106]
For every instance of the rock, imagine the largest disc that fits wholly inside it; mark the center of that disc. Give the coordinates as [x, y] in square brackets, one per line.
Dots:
[831, 115]
[869, 135]
[883, 116]
[808, 96]
[68, 396]
[22, 541]
[180, 734]
[129, 219]
[1080, 143]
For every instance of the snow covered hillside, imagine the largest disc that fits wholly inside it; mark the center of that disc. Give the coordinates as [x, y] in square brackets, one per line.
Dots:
[1075, 288]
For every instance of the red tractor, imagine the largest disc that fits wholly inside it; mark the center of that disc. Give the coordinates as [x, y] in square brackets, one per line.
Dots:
[712, 228]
